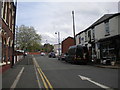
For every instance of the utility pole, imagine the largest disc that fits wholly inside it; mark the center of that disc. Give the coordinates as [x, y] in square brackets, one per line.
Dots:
[58, 42]
[74, 27]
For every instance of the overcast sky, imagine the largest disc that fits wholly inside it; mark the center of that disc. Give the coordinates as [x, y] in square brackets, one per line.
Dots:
[50, 17]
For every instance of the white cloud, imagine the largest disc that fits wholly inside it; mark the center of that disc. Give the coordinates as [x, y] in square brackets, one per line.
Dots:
[51, 17]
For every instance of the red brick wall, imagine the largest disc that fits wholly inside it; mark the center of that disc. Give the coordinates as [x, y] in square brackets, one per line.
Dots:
[7, 35]
[66, 44]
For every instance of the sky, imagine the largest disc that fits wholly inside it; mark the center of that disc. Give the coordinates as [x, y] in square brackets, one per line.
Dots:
[50, 17]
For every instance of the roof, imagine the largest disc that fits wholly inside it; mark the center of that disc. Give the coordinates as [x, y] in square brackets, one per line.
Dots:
[102, 19]
[80, 32]
[67, 38]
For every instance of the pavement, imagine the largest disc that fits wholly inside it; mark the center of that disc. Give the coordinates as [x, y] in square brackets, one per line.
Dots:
[108, 66]
[27, 78]
[117, 66]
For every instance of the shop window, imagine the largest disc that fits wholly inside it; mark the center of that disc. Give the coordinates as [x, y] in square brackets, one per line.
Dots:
[108, 51]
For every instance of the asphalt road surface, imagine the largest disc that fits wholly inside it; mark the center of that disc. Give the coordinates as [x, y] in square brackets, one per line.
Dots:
[43, 72]
[65, 75]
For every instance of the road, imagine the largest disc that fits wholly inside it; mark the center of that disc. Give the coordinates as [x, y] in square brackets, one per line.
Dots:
[66, 75]
[43, 72]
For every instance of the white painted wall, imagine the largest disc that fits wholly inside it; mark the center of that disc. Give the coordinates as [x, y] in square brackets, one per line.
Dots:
[100, 31]
[113, 27]
[83, 36]
[77, 39]
[119, 24]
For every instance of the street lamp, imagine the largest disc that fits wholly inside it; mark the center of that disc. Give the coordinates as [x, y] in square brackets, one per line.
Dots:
[58, 42]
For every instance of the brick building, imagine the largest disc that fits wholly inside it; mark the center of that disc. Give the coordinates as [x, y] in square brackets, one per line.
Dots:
[8, 15]
[69, 41]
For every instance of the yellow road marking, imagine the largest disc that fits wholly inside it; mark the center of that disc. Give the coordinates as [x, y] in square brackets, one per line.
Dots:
[43, 79]
[47, 80]
[42, 75]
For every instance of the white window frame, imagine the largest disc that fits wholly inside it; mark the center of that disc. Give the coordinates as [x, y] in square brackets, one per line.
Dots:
[9, 19]
[11, 43]
[86, 36]
[2, 8]
[93, 33]
[6, 12]
[12, 24]
[107, 29]
[8, 40]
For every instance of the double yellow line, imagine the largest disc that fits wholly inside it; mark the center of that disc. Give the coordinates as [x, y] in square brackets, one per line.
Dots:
[44, 79]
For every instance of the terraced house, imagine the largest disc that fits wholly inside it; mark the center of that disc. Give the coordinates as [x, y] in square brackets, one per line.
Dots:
[102, 38]
[8, 15]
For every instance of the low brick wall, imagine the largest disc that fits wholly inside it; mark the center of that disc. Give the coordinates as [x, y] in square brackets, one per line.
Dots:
[34, 53]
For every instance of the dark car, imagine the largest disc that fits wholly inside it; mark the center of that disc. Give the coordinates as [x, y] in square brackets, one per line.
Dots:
[51, 55]
[77, 54]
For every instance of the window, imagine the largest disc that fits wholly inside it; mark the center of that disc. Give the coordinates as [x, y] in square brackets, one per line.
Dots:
[89, 35]
[2, 8]
[5, 11]
[93, 33]
[10, 20]
[79, 39]
[85, 36]
[107, 31]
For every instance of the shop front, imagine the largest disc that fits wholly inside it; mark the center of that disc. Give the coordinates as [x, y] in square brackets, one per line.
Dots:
[110, 49]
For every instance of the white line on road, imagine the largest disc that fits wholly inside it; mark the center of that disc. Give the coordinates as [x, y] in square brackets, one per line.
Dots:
[98, 84]
[17, 78]
[39, 85]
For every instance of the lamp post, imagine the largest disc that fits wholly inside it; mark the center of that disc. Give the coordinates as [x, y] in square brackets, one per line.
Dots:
[58, 42]
[74, 27]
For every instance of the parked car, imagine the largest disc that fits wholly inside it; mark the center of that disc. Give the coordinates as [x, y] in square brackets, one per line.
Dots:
[77, 54]
[51, 55]
[62, 56]
[42, 54]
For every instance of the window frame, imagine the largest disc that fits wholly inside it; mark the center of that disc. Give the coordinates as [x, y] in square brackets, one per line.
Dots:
[107, 28]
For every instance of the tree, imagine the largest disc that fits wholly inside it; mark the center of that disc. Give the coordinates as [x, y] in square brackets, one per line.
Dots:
[28, 39]
[48, 48]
